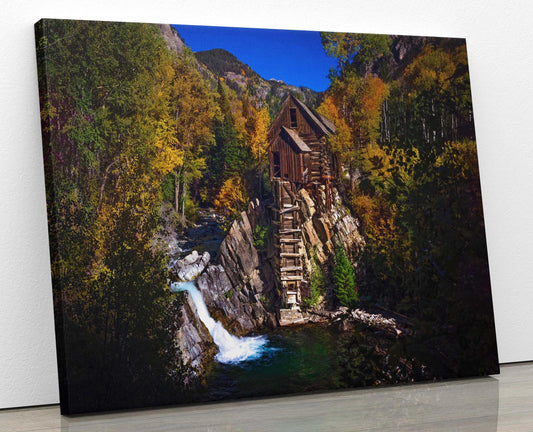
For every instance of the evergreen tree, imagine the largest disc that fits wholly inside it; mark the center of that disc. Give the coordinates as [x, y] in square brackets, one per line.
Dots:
[228, 156]
[343, 278]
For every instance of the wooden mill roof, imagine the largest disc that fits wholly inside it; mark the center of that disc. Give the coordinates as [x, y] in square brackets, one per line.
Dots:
[320, 125]
[328, 123]
[321, 122]
[295, 140]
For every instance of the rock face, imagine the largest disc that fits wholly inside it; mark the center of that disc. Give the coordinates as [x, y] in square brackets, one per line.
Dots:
[237, 287]
[322, 232]
[234, 289]
[174, 42]
[193, 339]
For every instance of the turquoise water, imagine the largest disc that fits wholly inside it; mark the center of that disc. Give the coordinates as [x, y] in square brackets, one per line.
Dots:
[292, 360]
[295, 359]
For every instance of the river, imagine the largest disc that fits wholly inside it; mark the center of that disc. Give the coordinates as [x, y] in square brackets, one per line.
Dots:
[297, 359]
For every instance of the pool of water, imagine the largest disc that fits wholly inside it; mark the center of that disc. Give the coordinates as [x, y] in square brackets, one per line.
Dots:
[293, 360]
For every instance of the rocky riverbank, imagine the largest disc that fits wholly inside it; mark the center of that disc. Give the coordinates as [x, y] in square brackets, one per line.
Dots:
[239, 286]
[236, 286]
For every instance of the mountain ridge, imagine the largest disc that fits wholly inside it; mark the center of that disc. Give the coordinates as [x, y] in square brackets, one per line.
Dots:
[241, 78]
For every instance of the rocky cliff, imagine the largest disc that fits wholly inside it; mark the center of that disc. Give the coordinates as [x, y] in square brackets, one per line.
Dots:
[193, 340]
[323, 231]
[240, 288]
[237, 290]
[172, 38]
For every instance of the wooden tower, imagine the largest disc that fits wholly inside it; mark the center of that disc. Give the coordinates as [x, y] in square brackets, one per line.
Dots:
[298, 159]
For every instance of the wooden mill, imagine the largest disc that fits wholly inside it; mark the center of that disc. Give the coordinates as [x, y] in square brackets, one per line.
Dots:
[298, 159]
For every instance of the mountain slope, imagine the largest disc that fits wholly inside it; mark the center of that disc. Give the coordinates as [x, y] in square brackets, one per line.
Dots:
[242, 78]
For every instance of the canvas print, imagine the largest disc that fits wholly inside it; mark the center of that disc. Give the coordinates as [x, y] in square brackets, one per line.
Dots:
[247, 212]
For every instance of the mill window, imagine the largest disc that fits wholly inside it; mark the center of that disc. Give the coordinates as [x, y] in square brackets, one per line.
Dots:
[294, 120]
[276, 164]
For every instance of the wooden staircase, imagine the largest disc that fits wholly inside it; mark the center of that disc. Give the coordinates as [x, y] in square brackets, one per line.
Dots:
[320, 176]
[289, 242]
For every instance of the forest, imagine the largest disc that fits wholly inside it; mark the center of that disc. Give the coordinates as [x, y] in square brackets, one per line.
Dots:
[405, 135]
[137, 137]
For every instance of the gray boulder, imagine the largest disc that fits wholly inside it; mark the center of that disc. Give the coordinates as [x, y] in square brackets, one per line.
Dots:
[188, 268]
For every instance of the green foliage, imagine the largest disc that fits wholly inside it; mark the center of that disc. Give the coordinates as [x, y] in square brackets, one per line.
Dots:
[220, 61]
[417, 195]
[344, 279]
[110, 148]
[191, 209]
[261, 234]
[167, 188]
[229, 156]
[355, 51]
[265, 301]
[229, 294]
[317, 284]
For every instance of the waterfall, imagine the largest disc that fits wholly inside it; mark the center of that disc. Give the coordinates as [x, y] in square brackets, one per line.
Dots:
[232, 349]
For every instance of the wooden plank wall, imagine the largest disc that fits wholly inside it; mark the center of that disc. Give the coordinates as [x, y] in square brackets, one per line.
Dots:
[291, 162]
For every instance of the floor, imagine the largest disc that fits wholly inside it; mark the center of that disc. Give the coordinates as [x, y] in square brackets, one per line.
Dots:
[500, 403]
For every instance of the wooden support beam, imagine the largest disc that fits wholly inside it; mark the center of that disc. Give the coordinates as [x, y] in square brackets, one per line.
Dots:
[292, 278]
[288, 210]
[293, 268]
[290, 255]
[290, 231]
[290, 240]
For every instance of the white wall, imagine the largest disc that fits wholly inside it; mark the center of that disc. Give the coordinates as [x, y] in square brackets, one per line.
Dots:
[499, 36]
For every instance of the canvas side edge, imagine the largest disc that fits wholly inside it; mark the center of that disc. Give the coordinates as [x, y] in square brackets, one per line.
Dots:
[44, 97]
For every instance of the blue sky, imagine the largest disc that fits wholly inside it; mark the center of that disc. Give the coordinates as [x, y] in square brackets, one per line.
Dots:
[295, 57]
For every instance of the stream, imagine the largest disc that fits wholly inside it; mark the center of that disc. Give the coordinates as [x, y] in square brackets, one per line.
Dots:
[285, 360]
[204, 235]
[231, 349]
[292, 359]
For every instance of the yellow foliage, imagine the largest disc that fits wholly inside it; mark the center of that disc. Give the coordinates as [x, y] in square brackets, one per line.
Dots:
[232, 197]
[375, 91]
[259, 138]
[365, 207]
[341, 141]
[382, 163]
[461, 157]
[192, 107]
[168, 156]
[432, 70]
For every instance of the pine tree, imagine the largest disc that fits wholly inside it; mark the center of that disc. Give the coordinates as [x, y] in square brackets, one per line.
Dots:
[343, 278]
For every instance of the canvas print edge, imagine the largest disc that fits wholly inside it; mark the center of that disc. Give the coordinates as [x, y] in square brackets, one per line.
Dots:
[285, 136]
